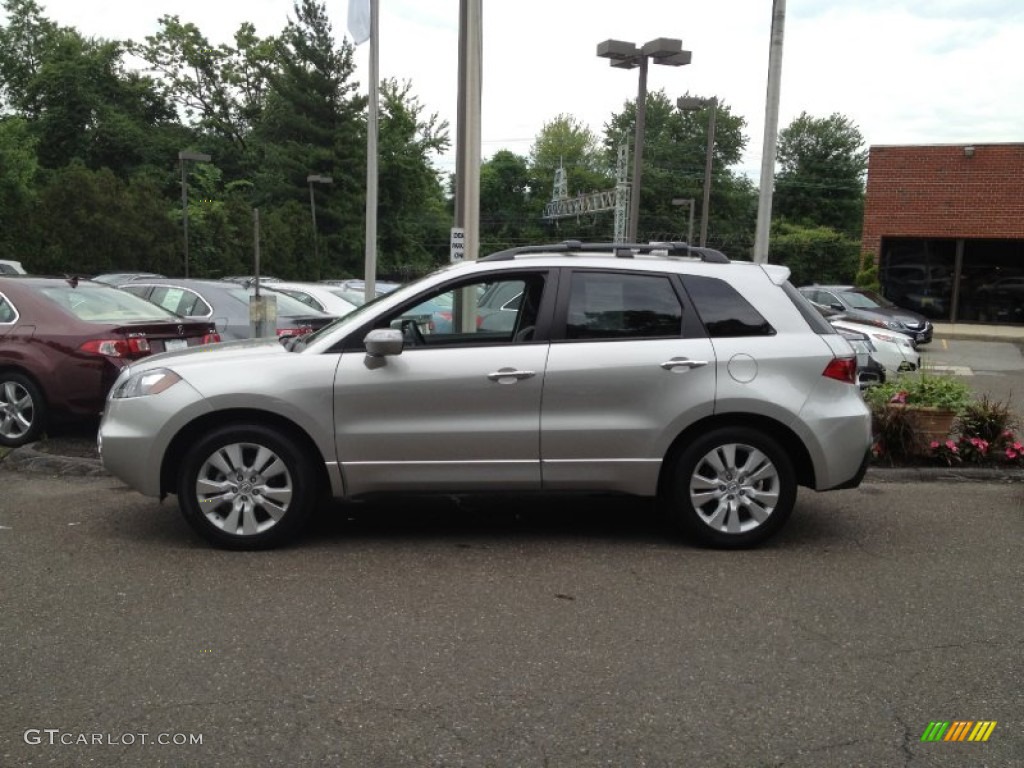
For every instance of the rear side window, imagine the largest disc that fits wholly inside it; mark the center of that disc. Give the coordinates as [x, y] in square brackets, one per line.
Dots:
[724, 311]
[811, 314]
[605, 305]
[7, 311]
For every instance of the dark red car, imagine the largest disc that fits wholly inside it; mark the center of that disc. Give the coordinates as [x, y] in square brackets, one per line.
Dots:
[64, 341]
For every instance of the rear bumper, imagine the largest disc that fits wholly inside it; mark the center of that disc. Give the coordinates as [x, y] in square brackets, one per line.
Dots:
[856, 480]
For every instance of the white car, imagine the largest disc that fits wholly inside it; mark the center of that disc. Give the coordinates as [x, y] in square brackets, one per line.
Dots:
[894, 350]
[327, 298]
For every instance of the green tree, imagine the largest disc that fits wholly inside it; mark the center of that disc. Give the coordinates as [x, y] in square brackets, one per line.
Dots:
[815, 254]
[675, 151]
[820, 182]
[17, 192]
[510, 214]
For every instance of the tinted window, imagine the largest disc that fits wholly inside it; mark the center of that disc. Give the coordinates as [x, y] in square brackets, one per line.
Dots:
[725, 313]
[622, 306]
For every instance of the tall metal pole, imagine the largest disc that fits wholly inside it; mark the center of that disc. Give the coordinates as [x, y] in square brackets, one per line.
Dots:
[706, 205]
[771, 132]
[370, 265]
[316, 240]
[184, 208]
[638, 151]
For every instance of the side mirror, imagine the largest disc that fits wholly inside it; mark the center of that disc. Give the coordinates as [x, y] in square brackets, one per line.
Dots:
[382, 342]
[837, 306]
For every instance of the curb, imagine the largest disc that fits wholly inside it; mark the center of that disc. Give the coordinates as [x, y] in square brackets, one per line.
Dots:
[28, 458]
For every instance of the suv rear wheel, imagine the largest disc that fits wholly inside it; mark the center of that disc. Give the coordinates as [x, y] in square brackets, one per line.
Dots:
[733, 487]
[245, 487]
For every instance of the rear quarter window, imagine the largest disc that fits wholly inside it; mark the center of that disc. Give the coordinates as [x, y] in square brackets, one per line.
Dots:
[723, 310]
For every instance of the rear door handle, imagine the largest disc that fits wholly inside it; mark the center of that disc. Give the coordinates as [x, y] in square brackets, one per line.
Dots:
[682, 362]
[510, 375]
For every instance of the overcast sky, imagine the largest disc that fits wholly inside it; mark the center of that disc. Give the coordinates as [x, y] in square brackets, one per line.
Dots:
[911, 71]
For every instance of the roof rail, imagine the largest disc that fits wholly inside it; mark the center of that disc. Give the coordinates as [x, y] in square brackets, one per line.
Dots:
[621, 250]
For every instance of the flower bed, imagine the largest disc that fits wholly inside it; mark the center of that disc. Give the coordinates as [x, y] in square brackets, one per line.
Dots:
[911, 430]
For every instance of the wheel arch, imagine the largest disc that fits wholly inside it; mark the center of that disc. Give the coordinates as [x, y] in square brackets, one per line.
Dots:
[803, 466]
[187, 435]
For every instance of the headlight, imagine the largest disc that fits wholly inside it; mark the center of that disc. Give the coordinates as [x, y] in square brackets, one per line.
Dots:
[146, 383]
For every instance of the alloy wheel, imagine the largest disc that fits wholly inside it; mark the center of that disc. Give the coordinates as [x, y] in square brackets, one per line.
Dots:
[734, 488]
[17, 410]
[244, 489]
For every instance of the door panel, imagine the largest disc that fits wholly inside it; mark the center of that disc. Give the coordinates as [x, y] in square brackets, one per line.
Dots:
[441, 419]
[611, 409]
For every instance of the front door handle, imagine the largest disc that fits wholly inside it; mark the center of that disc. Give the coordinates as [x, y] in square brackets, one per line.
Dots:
[510, 375]
[682, 362]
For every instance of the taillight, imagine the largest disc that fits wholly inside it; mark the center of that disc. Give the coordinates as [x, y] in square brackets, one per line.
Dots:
[842, 369]
[136, 346]
[210, 338]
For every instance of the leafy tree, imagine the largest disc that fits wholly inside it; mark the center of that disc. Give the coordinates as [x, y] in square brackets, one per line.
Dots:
[17, 174]
[675, 151]
[821, 177]
[510, 214]
[815, 254]
[412, 223]
[89, 221]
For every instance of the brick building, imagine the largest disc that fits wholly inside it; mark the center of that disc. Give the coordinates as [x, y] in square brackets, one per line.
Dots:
[946, 227]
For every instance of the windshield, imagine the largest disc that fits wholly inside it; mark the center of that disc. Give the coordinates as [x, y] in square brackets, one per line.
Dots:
[865, 299]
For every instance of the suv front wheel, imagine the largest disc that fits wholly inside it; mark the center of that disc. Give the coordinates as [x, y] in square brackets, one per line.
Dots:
[733, 487]
[246, 487]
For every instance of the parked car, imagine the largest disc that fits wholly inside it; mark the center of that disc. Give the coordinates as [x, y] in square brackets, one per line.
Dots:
[711, 384]
[250, 279]
[9, 267]
[117, 278]
[63, 342]
[325, 298]
[870, 372]
[226, 304]
[896, 352]
[355, 290]
[864, 306]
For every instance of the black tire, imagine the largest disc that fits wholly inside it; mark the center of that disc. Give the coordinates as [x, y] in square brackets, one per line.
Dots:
[711, 496]
[23, 411]
[264, 503]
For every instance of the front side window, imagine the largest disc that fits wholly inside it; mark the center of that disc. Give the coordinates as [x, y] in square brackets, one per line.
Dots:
[470, 313]
[607, 305]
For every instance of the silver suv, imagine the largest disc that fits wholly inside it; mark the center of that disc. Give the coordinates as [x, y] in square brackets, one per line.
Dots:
[711, 384]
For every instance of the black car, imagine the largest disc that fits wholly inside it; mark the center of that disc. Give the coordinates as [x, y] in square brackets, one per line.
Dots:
[864, 306]
[226, 304]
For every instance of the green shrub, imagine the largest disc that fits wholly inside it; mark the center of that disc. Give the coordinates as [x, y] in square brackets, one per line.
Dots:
[923, 389]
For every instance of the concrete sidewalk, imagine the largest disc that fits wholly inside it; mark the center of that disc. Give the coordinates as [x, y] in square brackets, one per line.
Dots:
[979, 332]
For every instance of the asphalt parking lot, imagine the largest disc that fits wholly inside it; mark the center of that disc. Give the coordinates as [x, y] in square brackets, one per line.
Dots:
[510, 632]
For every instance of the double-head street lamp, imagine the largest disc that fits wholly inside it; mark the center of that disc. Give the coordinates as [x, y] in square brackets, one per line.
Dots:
[625, 55]
[692, 103]
[315, 178]
[183, 157]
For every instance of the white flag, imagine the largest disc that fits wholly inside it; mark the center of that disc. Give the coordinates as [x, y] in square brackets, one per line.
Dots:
[359, 20]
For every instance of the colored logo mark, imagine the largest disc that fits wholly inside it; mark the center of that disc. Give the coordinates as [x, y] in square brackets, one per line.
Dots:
[959, 730]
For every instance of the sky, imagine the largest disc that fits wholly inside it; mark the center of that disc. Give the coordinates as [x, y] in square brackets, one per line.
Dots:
[903, 71]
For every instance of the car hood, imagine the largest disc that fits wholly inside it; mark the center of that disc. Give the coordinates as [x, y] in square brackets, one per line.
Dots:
[898, 314]
[237, 352]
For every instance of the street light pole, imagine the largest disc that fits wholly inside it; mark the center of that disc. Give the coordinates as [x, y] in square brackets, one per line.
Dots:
[183, 157]
[318, 179]
[692, 103]
[625, 55]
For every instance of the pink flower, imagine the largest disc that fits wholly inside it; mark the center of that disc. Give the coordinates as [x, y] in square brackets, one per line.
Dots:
[1011, 454]
[934, 445]
[951, 445]
[899, 397]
